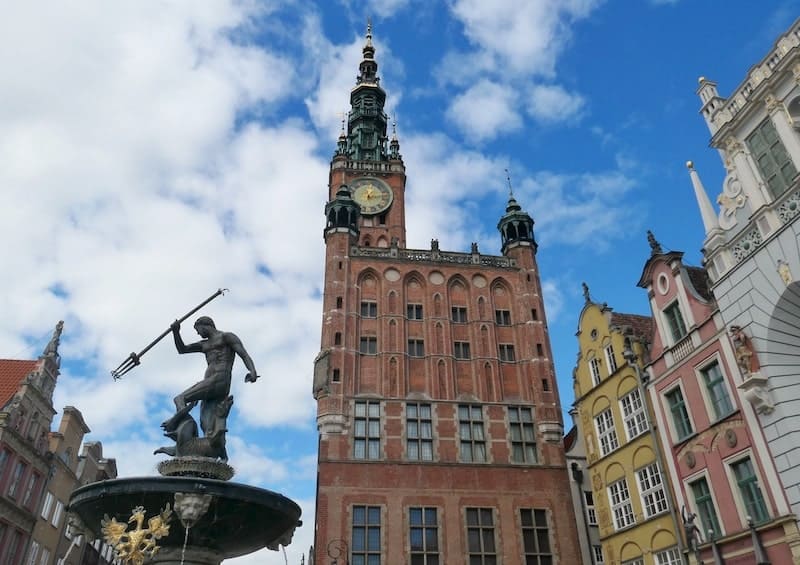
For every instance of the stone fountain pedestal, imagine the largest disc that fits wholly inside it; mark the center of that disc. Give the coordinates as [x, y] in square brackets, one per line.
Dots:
[213, 519]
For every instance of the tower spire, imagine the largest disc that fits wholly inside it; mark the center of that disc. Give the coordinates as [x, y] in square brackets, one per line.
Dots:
[367, 122]
[710, 222]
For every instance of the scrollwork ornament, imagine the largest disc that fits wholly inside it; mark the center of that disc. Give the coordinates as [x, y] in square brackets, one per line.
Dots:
[771, 103]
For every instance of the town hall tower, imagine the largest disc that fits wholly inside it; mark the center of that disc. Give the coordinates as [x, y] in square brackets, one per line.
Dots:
[440, 430]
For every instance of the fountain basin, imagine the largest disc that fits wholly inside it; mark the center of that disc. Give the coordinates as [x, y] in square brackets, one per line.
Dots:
[240, 519]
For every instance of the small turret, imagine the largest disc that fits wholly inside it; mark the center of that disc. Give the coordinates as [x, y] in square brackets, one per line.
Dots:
[394, 145]
[516, 226]
[342, 213]
[712, 101]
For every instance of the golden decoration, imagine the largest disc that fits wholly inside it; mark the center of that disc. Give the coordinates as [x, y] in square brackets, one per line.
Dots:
[134, 546]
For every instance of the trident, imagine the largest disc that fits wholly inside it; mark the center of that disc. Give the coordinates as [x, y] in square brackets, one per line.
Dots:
[134, 358]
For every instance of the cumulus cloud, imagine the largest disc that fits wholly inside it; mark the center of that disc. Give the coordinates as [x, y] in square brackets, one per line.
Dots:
[141, 190]
[552, 103]
[524, 36]
[484, 111]
[514, 44]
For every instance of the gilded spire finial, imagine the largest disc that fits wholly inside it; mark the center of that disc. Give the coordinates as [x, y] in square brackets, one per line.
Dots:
[394, 126]
[369, 32]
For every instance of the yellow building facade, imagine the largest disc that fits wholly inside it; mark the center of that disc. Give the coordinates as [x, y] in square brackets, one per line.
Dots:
[631, 495]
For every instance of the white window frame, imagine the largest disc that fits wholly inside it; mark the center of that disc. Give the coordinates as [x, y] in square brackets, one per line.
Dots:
[619, 498]
[650, 481]
[591, 509]
[611, 361]
[634, 415]
[33, 553]
[594, 369]
[597, 555]
[58, 512]
[606, 432]
[669, 556]
[47, 507]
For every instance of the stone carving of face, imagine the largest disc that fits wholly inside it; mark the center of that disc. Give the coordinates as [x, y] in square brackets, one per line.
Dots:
[191, 507]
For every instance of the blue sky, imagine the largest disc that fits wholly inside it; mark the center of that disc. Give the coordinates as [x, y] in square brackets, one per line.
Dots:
[155, 151]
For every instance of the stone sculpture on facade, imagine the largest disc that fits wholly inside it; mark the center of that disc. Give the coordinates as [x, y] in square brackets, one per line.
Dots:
[754, 385]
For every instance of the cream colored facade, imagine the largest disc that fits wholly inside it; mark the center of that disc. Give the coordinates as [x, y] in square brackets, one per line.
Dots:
[636, 517]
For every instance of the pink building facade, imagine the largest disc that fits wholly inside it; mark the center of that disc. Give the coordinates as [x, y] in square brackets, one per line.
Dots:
[716, 454]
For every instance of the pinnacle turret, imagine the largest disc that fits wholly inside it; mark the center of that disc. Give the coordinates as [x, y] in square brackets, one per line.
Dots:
[516, 225]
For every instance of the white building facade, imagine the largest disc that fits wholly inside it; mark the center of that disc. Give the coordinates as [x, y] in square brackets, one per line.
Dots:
[752, 244]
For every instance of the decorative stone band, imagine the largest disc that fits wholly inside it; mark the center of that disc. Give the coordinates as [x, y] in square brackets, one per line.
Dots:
[747, 244]
[790, 207]
[192, 466]
[433, 256]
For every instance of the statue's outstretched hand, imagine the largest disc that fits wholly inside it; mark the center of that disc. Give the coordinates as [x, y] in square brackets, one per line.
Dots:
[250, 378]
[175, 326]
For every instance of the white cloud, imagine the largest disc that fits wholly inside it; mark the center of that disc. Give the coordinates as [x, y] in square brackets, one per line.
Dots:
[514, 43]
[484, 111]
[139, 194]
[597, 207]
[552, 103]
[524, 36]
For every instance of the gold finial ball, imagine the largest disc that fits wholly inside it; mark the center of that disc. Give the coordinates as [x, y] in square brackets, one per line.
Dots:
[701, 80]
[689, 165]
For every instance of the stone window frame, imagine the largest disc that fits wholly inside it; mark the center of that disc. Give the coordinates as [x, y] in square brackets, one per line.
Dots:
[429, 555]
[537, 547]
[485, 556]
[367, 429]
[471, 416]
[422, 419]
[368, 524]
[522, 434]
[591, 508]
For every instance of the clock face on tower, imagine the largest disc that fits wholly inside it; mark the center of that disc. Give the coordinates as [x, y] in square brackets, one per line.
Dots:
[373, 195]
